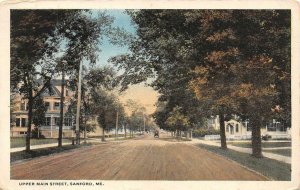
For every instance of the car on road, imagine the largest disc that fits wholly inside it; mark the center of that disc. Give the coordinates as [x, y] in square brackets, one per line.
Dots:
[156, 134]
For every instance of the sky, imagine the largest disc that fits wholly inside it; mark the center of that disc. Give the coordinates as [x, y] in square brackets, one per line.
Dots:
[140, 92]
[108, 50]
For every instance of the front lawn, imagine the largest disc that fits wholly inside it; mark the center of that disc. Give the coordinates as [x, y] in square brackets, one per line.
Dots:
[283, 152]
[264, 144]
[21, 141]
[15, 156]
[273, 169]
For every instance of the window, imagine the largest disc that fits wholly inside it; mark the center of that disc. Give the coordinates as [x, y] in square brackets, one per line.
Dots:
[24, 106]
[280, 126]
[227, 128]
[249, 128]
[56, 105]
[23, 122]
[246, 124]
[68, 121]
[237, 128]
[23, 133]
[48, 121]
[56, 120]
[18, 120]
[67, 93]
[47, 104]
[271, 126]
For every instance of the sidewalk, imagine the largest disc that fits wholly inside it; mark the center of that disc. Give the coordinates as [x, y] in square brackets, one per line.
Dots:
[277, 157]
[32, 147]
[18, 149]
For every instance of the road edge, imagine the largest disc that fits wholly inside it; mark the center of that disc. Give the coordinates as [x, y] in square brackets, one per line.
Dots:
[233, 161]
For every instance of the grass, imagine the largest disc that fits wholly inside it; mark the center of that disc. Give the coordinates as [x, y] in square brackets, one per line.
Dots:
[15, 156]
[21, 141]
[283, 152]
[264, 144]
[273, 169]
[173, 139]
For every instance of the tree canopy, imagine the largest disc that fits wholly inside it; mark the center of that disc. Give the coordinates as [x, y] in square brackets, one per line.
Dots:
[53, 36]
[218, 62]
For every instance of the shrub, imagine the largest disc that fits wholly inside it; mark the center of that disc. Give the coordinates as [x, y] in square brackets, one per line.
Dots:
[34, 134]
[266, 137]
[201, 132]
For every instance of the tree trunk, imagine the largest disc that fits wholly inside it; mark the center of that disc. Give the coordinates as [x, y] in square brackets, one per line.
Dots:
[103, 135]
[30, 104]
[222, 131]
[256, 123]
[125, 134]
[85, 131]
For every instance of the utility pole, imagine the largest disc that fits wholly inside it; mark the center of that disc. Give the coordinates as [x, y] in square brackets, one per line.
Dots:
[144, 122]
[78, 106]
[85, 121]
[61, 103]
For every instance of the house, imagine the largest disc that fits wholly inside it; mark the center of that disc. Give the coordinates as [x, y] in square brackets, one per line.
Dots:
[49, 129]
[236, 129]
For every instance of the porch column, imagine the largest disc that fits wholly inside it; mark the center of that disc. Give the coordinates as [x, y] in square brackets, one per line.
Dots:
[51, 117]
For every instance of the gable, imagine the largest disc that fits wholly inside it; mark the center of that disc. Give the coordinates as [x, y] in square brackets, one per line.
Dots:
[51, 91]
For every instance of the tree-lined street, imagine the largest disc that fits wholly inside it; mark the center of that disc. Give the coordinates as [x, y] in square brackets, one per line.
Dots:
[218, 75]
[139, 159]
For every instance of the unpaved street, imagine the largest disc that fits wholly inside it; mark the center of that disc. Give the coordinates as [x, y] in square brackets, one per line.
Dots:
[142, 159]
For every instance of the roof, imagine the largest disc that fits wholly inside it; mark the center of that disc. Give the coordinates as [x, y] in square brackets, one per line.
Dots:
[52, 91]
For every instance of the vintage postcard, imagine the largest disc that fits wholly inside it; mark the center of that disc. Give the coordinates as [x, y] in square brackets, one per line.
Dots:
[150, 95]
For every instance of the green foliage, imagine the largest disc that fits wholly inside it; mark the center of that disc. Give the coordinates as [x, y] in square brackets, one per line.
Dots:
[211, 62]
[39, 110]
[136, 119]
[271, 168]
[177, 120]
[201, 132]
[21, 155]
[77, 33]
[35, 133]
[106, 105]
[44, 31]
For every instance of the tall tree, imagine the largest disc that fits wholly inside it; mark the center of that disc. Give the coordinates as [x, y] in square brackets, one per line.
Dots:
[229, 58]
[249, 63]
[47, 31]
[178, 121]
[136, 117]
[34, 29]
[106, 105]
[265, 80]
[161, 54]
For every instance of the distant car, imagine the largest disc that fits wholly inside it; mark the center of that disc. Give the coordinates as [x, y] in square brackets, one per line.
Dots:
[156, 134]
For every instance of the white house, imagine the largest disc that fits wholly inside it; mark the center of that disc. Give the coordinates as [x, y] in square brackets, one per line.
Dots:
[235, 129]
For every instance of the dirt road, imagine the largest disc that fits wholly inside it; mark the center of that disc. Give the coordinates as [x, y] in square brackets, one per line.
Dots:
[142, 159]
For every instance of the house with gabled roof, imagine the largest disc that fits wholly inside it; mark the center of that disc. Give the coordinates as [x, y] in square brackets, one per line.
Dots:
[237, 129]
[51, 97]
